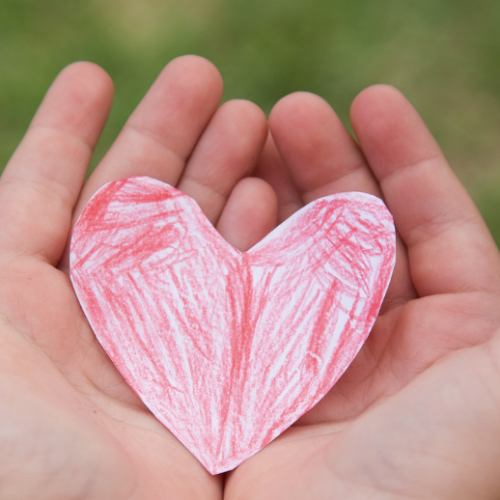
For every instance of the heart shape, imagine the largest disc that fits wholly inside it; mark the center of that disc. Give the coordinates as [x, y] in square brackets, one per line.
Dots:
[229, 348]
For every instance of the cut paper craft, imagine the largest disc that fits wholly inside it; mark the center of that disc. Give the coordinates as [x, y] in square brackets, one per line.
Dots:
[229, 348]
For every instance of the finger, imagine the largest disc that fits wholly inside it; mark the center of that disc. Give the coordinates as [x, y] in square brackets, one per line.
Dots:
[449, 246]
[324, 159]
[250, 213]
[319, 152]
[161, 133]
[271, 168]
[226, 152]
[41, 183]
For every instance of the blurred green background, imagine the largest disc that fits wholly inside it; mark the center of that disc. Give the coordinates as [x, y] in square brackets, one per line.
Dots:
[443, 54]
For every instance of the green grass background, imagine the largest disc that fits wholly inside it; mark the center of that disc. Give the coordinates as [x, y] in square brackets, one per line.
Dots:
[443, 54]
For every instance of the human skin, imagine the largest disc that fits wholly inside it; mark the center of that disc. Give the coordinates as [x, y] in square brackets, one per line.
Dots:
[417, 413]
[70, 427]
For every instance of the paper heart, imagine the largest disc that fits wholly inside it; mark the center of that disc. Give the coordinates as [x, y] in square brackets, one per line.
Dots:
[226, 348]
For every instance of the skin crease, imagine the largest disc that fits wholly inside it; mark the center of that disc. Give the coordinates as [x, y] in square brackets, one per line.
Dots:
[416, 414]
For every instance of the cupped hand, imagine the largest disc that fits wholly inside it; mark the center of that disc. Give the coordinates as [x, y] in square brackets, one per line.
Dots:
[70, 427]
[417, 414]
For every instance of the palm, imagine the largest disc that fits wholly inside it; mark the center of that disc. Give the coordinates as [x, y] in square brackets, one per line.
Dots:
[71, 424]
[405, 341]
[76, 429]
[81, 416]
[383, 430]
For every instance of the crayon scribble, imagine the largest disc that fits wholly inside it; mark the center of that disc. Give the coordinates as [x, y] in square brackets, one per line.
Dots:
[226, 348]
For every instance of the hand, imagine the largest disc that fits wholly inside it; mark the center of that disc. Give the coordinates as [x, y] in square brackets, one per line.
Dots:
[417, 414]
[70, 427]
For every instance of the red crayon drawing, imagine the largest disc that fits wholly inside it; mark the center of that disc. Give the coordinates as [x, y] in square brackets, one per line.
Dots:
[226, 348]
